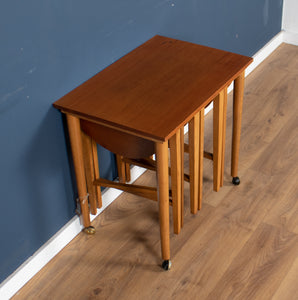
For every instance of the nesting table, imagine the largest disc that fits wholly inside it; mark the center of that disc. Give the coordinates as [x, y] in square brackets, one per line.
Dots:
[150, 94]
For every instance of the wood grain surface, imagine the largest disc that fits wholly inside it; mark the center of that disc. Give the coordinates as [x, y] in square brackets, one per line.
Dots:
[242, 244]
[156, 88]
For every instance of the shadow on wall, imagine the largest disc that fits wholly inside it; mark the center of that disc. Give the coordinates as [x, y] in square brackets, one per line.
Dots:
[49, 179]
[49, 175]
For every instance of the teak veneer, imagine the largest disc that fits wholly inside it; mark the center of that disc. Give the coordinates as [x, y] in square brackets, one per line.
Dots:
[156, 88]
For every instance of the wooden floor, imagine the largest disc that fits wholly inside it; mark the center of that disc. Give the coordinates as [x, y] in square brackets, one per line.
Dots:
[243, 244]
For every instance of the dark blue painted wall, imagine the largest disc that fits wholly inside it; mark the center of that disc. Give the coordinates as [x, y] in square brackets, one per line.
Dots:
[50, 47]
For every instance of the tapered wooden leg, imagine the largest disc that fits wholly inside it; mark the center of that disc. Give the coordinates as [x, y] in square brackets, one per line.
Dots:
[121, 168]
[237, 116]
[96, 172]
[182, 173]
[175, 157]
[163, 198]
[217, 139]
[201, 156]
[89, 172]
[77, 153]
[225, 101]
[193, 136]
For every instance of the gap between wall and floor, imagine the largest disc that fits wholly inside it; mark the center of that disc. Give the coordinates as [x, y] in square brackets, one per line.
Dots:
[70, 230]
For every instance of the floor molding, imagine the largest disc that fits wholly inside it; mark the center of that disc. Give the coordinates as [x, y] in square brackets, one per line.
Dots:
[40, 258]
[265, 52]
[290, 38]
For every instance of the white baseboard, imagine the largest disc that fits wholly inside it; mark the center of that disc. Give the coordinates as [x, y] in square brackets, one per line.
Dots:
[291, 38]
[265, 52]
[42, 256]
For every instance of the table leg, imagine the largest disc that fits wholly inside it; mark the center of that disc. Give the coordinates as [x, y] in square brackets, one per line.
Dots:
[193, 136]
[77, 153]
[196, 153]
[237, 116]
[121, 168]
[201, 156]
[163, 199]
[182, 174]
[175, 156]
[225, 103]
[127, 172]
[89, 172]
[217, 139]
[96, 172]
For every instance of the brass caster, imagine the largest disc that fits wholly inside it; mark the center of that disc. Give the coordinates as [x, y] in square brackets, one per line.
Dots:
[166, 265]
[89, 230]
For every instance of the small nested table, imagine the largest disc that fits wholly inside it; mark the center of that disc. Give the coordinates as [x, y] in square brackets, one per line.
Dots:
[135, 106]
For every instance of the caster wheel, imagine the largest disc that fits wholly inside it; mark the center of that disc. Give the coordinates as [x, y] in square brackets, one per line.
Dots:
[166, 265]
[89, 230]
[236, 181]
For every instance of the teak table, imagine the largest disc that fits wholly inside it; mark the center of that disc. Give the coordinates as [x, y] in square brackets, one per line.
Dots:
[151, 93]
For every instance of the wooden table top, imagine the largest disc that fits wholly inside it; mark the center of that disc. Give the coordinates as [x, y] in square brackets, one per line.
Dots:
[156, 88]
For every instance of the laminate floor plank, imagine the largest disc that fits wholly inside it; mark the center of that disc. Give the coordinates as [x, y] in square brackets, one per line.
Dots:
[201, 265]
[288, 290]
[281, 155]
[260, 267]
[284, 212]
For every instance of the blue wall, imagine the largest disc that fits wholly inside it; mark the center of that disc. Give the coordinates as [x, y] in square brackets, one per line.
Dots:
[50, 47]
